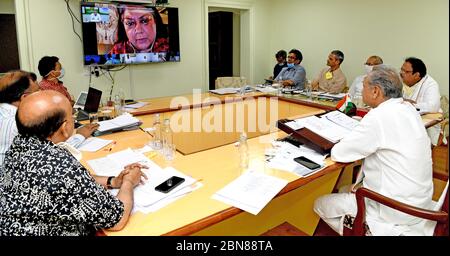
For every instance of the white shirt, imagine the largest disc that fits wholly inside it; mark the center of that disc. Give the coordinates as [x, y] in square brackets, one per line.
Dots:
[428, 99]
[397, 163]
[8, 130]
[426, 95]
[356, 88]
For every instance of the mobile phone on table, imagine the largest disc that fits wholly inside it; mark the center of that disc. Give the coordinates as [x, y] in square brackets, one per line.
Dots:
[169, 184]
[308, 163]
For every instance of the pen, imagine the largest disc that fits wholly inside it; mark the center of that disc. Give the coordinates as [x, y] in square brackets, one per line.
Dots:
[111, 147]
[145, 131]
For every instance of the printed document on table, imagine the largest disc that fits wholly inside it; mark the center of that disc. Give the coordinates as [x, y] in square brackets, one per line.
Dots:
[324, 128]
[283, 158]
[123, 120]
[145, 194]
[341, 119]
[136, 105]
[251, 191]
[223, 91]
[93, 144]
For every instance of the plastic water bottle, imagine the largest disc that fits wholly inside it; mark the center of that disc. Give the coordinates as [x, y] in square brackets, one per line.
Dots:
[117, 105]
[157, 142]
[167, 139]
[243, 151]
[119, 102]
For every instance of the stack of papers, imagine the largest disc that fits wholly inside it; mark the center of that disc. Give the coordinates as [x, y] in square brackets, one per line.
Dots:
[332, 126]
[331, 96]
[267, 89]
[282, 156]
[93, 144]
[223, 91]
[251, 192]
[123, 121]
[135, 105]
[146, 198]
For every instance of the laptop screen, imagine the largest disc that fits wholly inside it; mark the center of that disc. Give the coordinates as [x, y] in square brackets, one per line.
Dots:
[93, 100]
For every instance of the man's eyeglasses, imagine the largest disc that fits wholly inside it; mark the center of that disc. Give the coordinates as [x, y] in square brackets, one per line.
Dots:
[292, 57]
[131, 23]
[406, 71]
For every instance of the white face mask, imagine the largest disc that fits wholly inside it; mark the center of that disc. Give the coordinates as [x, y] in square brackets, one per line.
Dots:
[368, 68]
[62, 73]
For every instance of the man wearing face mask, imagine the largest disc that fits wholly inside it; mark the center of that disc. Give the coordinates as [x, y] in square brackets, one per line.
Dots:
[356, 88]
[52, 72]
[293, 75]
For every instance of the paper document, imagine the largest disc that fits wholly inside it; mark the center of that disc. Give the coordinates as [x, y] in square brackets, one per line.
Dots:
[331, 96]
[251, 191]
[323, 127]
[121, 121]
[294, 125]
[145, 196]
[223, 91]
[341, 119]
[282, 157]
[136, 105]
[267, 89]
[93, 144]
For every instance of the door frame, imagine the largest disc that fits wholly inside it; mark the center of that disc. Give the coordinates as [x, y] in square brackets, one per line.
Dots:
[247, 46]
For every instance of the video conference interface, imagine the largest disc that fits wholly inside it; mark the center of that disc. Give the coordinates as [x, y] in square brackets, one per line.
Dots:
[101, 42]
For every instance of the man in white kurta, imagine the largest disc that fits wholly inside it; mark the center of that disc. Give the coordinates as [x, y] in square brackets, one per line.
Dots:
[397, 161]
[422, 91]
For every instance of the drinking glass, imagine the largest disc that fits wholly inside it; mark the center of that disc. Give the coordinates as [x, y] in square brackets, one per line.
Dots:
[169, 152]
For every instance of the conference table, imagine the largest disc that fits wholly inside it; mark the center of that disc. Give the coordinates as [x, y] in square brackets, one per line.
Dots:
[212, 157]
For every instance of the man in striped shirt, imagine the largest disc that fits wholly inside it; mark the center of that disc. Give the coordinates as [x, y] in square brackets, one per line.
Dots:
[13, 87]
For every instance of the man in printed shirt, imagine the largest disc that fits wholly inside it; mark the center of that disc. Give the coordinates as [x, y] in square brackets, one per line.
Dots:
[331, 79]
[51, 71]
[14, 86]
[44, 190]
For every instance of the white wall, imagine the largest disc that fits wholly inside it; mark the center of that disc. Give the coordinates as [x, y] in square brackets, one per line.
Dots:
[7, 6]
[391, 29]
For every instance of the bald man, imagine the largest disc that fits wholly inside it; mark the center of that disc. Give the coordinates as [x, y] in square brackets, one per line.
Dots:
[14, 86]
[356, 88]
[58, 196]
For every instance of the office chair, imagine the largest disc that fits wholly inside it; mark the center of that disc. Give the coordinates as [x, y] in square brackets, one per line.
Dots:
[438, 214]
[227, 82]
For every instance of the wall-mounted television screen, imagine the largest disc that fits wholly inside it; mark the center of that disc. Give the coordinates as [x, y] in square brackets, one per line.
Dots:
[119, 33]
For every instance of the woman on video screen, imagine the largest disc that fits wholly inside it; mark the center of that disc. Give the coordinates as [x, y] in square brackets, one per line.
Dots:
[141, 30]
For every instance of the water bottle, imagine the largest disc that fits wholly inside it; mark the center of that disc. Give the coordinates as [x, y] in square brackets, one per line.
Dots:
[122, 98]
[117, 105]
[243, 151]
[119, 102]
[157, 141]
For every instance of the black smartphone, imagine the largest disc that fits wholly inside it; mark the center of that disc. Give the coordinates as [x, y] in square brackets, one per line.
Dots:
[307, 162]
[169, 184]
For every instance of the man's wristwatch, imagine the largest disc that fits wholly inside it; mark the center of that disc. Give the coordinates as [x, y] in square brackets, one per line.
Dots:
[108, 182]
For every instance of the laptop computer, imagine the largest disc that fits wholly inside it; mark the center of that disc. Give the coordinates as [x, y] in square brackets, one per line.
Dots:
[81, 100]
[91, 105]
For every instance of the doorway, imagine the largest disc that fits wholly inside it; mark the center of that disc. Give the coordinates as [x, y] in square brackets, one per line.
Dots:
[220, 41]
